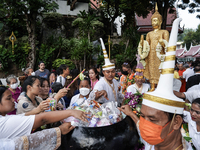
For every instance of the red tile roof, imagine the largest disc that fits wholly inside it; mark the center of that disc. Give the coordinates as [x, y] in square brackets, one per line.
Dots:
[193, 50]
[140, 21]
[180, 52]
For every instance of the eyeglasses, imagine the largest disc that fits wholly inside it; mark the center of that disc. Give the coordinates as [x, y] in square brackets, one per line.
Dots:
[125, 63]
[197, 112]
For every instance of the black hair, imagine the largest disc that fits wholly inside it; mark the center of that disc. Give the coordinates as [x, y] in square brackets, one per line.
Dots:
[95, 71]
[40, 62]
[97, 66]
[87, 79]
[42, 80]
[61, 68]
[170, 116]
[54, 72]
[126, 65]
[29, 81]
[196, 101]
[2, 90]
[197, 68]
[56, 87]
[74, 72]
[176, 68]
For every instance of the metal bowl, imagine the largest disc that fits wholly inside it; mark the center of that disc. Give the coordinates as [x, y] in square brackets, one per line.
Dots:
[120, 136]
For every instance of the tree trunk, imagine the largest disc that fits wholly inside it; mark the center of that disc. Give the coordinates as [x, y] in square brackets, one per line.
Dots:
[84, 60]
[30, 25]
[126, 45]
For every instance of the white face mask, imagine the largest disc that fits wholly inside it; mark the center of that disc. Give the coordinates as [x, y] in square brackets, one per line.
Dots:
[84, 91]
[33, 73]
[14, 86]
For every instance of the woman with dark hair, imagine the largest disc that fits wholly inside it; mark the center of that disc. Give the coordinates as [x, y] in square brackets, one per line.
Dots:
[63, 73]
[193, 120]
[44, 92]
[94, 76]
[52, 78]
[12, 126]
[26, 103]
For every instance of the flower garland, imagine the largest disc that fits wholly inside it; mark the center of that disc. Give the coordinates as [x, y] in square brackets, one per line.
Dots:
[143, 52]
[158, 50]
[134, 101]
[129, 80]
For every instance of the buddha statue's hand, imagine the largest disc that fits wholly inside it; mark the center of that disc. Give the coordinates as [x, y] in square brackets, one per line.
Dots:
[161, 42]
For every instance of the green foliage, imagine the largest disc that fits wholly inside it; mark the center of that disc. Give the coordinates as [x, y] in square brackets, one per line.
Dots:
[6, 57]
[87, 23]
[100, 60]
[192, 37]
[53, 20]
[19, 57]
[45, 53]
[58, 62]
[194, 6]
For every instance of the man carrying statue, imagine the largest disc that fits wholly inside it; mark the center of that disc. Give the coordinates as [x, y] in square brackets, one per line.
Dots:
[152, 51]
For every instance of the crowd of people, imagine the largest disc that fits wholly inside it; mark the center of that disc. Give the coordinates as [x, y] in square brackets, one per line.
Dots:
[24, 104]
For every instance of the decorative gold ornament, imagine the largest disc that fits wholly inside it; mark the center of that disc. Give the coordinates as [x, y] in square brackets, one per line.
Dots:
[171, 49]
[156, 14]
[12, 38]
[163, 101]
[170, 58]
[167, 71]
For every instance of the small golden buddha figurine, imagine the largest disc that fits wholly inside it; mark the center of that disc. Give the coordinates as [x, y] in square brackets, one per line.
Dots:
[152, 51]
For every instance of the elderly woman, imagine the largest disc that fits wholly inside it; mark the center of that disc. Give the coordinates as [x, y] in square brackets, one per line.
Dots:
[12, 82]
[139, 79]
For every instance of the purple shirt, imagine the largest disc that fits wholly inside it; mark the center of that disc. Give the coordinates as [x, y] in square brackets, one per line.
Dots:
[15, 96]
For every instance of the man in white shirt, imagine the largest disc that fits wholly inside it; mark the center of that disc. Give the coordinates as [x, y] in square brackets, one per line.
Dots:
[188, 72]
[191, 94]
[107, 83]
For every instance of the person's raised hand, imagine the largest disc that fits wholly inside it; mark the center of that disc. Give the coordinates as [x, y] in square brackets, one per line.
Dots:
[61, 93]
[66, 128]
[126, 110]
[43, 106]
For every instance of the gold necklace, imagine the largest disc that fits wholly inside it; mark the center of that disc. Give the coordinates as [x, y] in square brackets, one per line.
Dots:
[113, 88]
[178, 147]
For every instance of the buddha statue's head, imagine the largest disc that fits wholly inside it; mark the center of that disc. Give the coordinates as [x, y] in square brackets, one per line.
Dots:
[156, 19]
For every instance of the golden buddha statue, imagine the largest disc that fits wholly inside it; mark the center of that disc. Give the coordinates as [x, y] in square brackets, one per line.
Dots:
[152, 51]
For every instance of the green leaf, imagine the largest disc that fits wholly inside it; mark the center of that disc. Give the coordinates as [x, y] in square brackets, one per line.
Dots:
[187, 138]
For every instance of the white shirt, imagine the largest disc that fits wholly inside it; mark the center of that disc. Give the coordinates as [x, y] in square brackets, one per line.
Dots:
[103, 85]
[192, 127]
[12, 126]
[75, 99]
[188, 73]
[176, 84]
[133, 88]
[7, 144]
[193, 93]
[61, 79]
